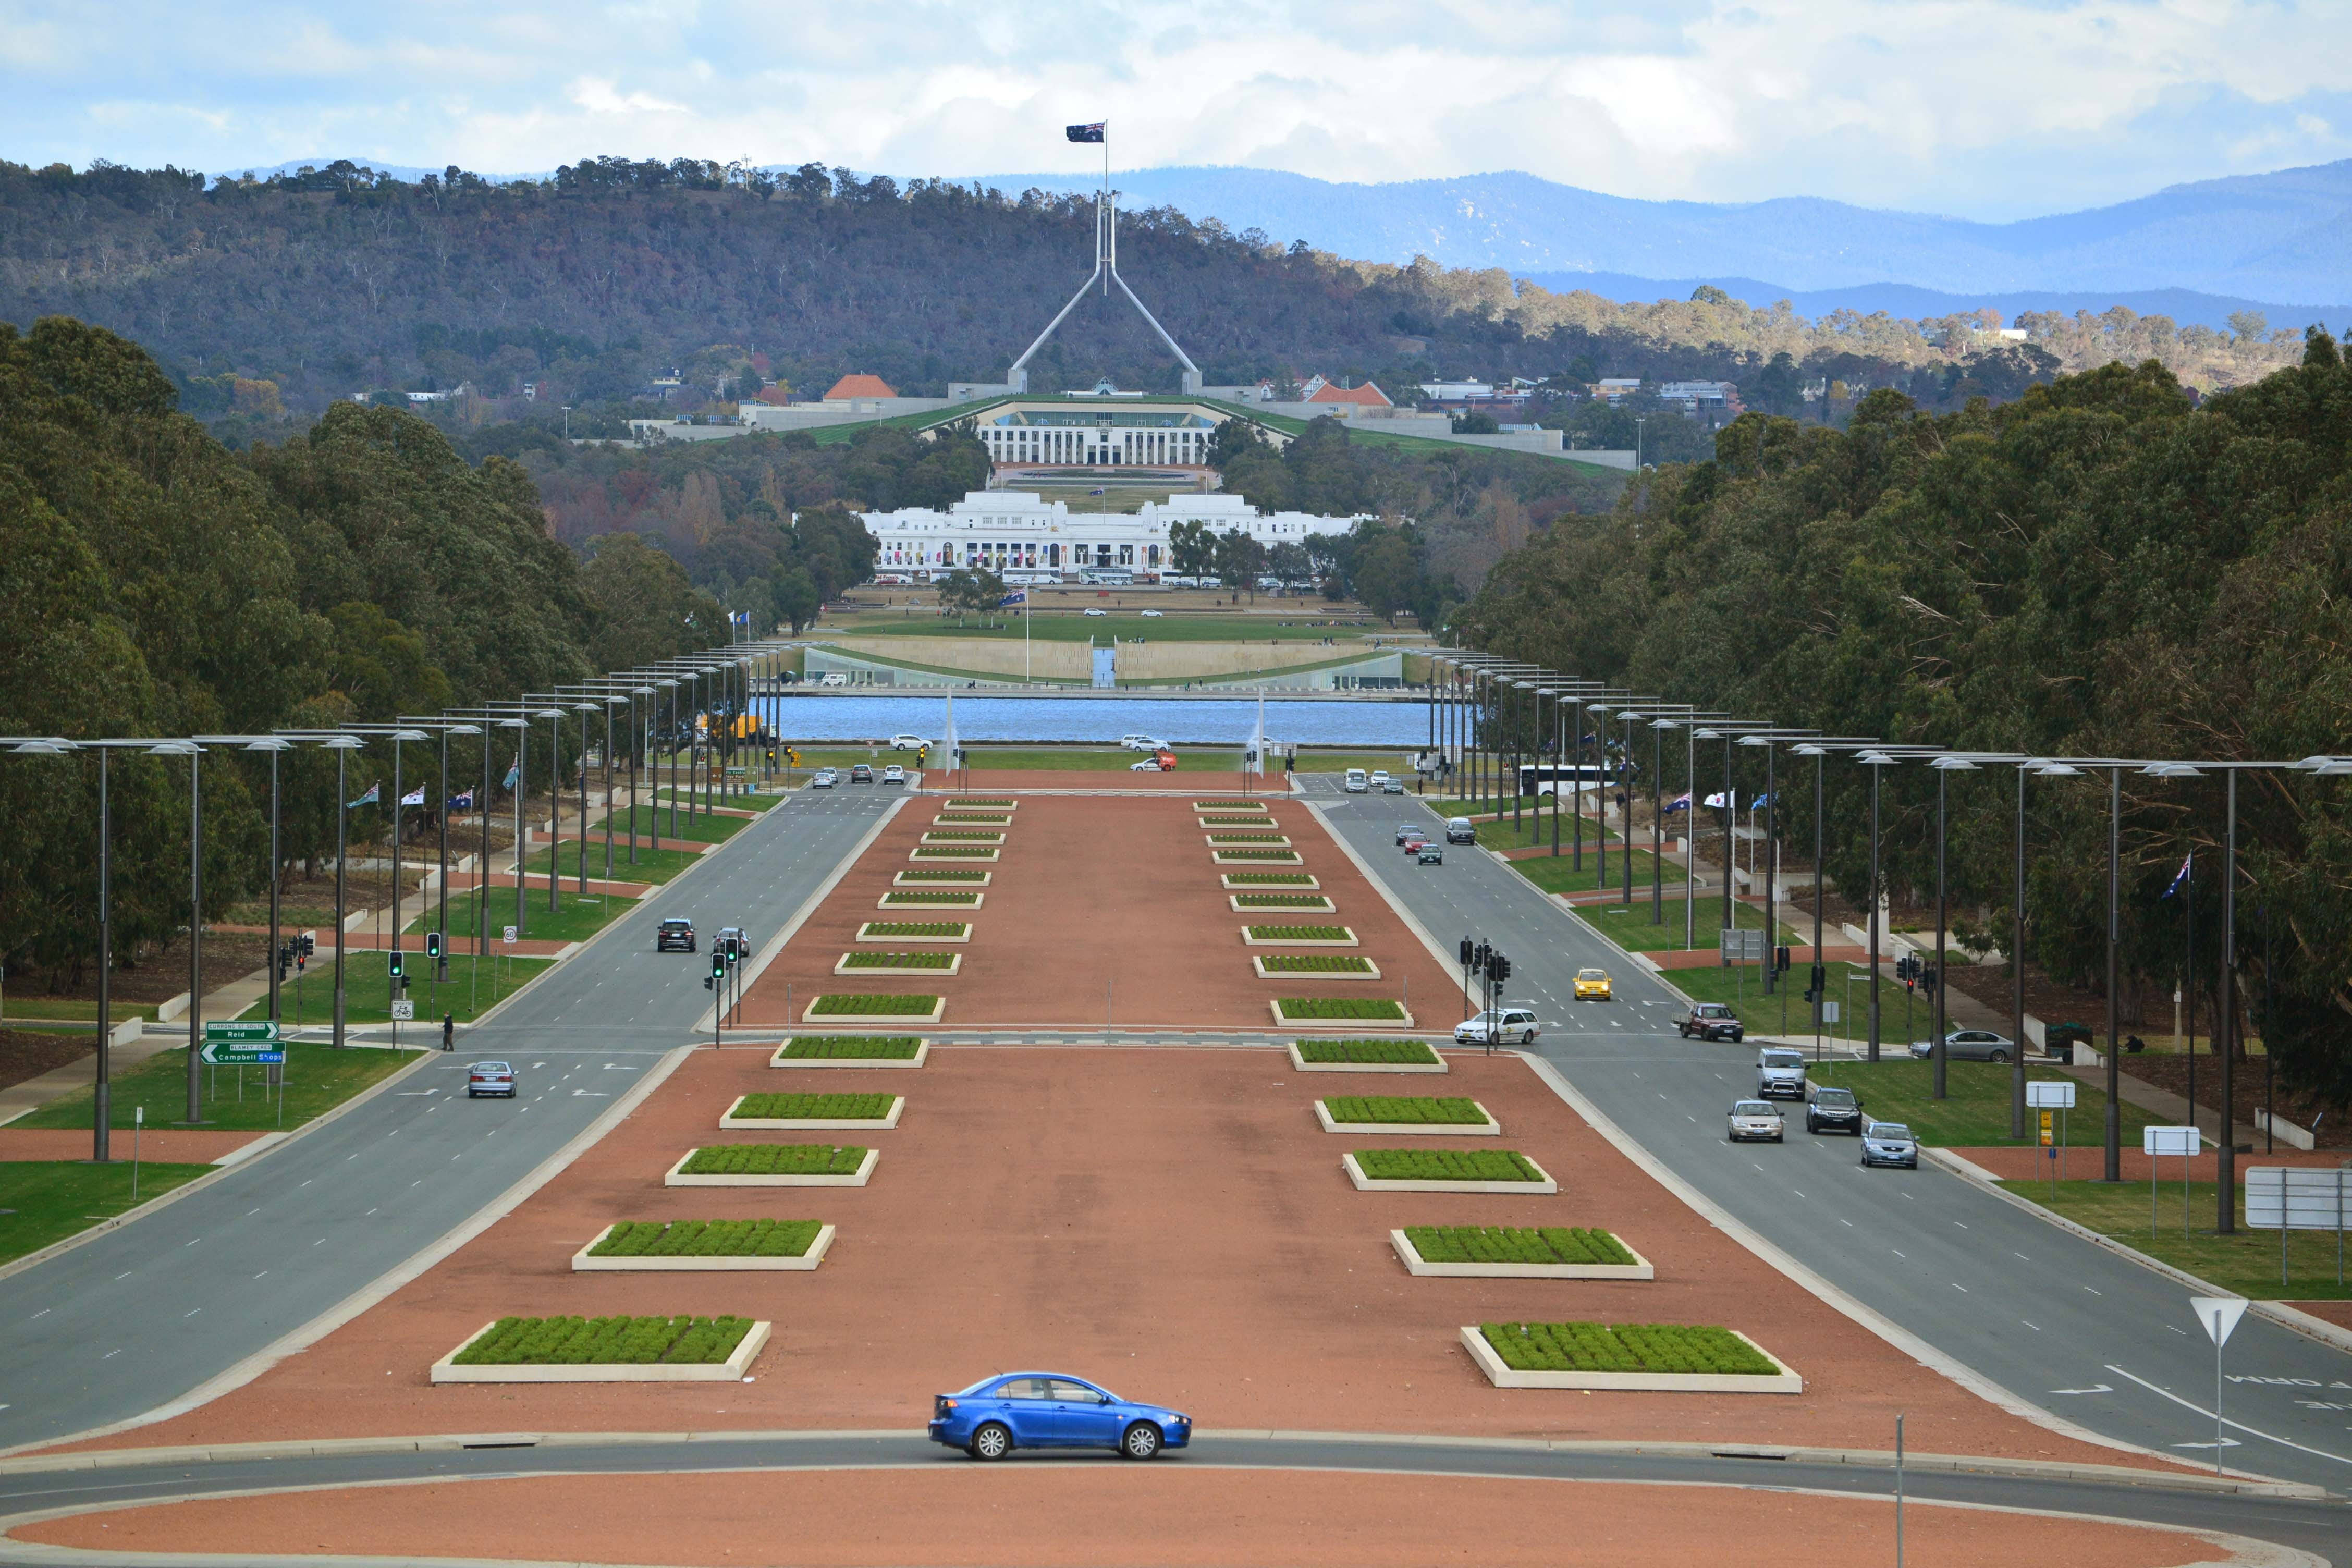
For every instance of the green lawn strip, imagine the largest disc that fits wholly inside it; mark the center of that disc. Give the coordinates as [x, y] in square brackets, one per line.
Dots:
[1533, 828]
[1976, 1111]
[1560, 874]
[917, 928]
[1446, 1165]
[898, 961]
[2246, 1262]
[21, 1008]
[367, 989]
[1247, 837]
[974, 818]
[853, 1048]
[867, 1005]
[1282, 901]
[42, 1202]
[1378, 1053]
[1410, 1109]
[1299, 933]
[1505, 1244]
[941, 874]
[1315, 964]
[577, 916]
[653, 822]
[1630, 928]
[1277, 857]
[955, 852]
[605, 1342]
[758, 800]
[651, 865]
[318, 1079]
[1254, 805]
[962, 835]
[1059, 624]
[774, 1160]
[916, 896]
[1623, 1347]
[1342, 1008]
[708, 1238]
[814, 1107]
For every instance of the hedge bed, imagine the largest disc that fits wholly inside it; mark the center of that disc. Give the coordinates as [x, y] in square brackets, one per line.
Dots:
[1250, 857]
[852, 1051]
[1445, 1170]
[1654, 1356]
[1368, 1053]
[1339, 1010]
[972, 818]
[752, 1112]
[915, 930]
[850, 1007]
[937, 875]
[931, 899]
[898, 963]
[690, 1239]
[1229, 806]
[987, 805]
[1278, 840]
[1255, 903]
[1260, 820]
[1323, 936]
[772, 1165]
[1451, 1115]
[606, 1350]
[953, 852]
[962, 835]
[1323, 965]
[1270, 879]
[1475, 1252]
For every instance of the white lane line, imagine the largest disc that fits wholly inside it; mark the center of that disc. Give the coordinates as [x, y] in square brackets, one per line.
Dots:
[1847, 1222]
[192, 1311]
[2094, 1292]
[2031, 1324]
[45, 1312]
[1962, 1226]
[2240, 1426]
[1898, 1251]
[1961, 1287]
[2020, 1255]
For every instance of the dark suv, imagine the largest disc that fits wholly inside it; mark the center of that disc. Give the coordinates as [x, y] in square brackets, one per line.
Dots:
[861, 773]
[673, 936]
[1834, 1110]
[1712, 1021]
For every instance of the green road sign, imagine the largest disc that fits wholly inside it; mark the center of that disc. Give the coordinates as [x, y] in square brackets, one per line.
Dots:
[242, 1045]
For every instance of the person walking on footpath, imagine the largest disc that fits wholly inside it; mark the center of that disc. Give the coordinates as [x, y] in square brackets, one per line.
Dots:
[448, 1031]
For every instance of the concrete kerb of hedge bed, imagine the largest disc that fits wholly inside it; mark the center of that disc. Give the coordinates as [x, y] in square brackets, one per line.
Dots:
[938, 852]
[869, 937]
[730, 1122]
[1257, 964]
[976, 897]
[1785, 1380]
[1489, 1129]
[858, 1178]
[1300, 1064]
[1322, 906]
[1003, 804]
[1366, 1184]
[1417, 1265]
[1401, 1018]
[916, 880]
[584, 1264]
[731, 1370]
[1347, 940]
[877, 1020]
[843, 966]
[1279, 841]
[1306, 883]
[975, 836]
[922, 1054]
[1261, 855]
[1238, 823]
[973, 819]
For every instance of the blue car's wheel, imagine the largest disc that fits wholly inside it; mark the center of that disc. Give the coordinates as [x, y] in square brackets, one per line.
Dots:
[992, 1440]
[1142, 1441]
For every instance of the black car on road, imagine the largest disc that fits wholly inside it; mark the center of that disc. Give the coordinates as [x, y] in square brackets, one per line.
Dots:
[1834, 1110]
[673, 936]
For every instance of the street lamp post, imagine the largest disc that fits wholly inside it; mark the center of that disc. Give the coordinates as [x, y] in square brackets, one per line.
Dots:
[583, 710]
[343, 746]
[1873, 761]
[1945, 767]
[554, 716]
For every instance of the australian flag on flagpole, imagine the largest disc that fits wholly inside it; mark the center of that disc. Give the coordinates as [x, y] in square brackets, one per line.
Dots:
[1085, 133]
[1680, 802]
[2180, 875]
[461, 802]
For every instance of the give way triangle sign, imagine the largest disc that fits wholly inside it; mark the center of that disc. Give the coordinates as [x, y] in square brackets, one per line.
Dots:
[2220, 1314]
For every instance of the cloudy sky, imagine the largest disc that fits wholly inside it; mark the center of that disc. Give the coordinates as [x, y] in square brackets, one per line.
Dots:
[1980, 108]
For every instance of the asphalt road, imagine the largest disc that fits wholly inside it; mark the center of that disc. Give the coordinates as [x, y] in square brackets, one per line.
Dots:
[2059, 1322]
[2320, 1528]
[142, 1314]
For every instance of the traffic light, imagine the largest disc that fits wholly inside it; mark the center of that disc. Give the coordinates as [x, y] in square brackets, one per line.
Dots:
[1781, 959]
[395, 957]
[718, 963]
[1469, 952]
[1929, 979]
[310, 944]
[433, 945]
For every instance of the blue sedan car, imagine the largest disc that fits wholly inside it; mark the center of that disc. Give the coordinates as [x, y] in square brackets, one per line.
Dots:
[1052, 1410]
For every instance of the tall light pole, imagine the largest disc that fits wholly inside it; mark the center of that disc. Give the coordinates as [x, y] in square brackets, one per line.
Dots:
[343, 746]
[554, 716]
[583, 710]
[1945, 767]
[669, 689]
[195, 755]
[1873, 761]
[398, 811]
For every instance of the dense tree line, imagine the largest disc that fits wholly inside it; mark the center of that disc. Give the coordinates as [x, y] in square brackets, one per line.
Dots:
[2099, 569]
[154, 583]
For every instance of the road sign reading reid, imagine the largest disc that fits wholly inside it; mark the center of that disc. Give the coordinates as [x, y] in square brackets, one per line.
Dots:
[262, 1031]
[232, 1044]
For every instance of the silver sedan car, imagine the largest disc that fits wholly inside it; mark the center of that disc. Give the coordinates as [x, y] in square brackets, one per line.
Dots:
[1756, 1119]
[1968, 1045]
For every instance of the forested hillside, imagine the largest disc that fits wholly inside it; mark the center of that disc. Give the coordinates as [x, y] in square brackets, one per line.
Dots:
[267, 300]
[2095, 569]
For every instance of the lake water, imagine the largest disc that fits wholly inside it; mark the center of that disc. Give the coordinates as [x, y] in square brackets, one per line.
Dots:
[1190, 720]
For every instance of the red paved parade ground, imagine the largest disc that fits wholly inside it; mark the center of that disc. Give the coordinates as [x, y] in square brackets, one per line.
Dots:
[1069, 1513]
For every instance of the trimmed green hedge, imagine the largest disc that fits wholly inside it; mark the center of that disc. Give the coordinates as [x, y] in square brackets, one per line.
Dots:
[986, 819]
[1229, 805]
[1381, 1053]
[867, 1005]
[708, 1238]
[773, 1160]
[1503, 1244]
[1299, 933]
[1416, 1110]
[953, 852]
[898, 960]
[1240, 819]
[1446, 1165]
[1623, 1347]
[1246, 837]
[962, 835]
[806, 1107]
[1281, 900]
[918, 928]
[1268, 879]
[976, 804]
[943, 875]
[1341, 1008]
[1315, 964]
[853, 1048]
[605, 1342]
[1286, 856]
[930, 896]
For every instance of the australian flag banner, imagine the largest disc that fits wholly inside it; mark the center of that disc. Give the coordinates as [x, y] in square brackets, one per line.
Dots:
[1085, 133]
[462, 801]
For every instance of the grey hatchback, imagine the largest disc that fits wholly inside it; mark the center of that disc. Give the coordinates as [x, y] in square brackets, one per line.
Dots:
[1968, 1045]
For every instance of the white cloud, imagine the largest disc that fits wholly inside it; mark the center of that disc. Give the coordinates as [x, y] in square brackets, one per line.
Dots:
[1982, 106]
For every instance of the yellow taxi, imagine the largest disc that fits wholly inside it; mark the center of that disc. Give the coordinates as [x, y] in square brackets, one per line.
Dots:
[1592, 984]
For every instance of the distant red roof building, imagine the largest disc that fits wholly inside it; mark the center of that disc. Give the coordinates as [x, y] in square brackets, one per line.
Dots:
[1367, 396]
[850, 386]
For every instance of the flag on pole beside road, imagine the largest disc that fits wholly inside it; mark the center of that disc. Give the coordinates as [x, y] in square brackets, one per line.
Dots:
[414, 797]
[514, 772]
[1761, 802]
[462, 801]
[375, 794]
[1718, 800]
[1095, 493]
[1680, 802]
[2180, 876]
[1085, 133]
